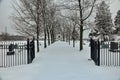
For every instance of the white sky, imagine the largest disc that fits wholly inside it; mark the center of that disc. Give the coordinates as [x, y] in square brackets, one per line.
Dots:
[6, 10]
[114, 7]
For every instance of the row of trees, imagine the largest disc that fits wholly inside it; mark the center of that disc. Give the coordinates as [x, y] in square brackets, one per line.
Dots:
[68, 18]
[43, 17]
[36, 18]
[77, 13]
[103, 22]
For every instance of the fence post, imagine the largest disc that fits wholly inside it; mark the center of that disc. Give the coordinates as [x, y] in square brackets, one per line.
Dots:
[28, 52]
[91, 48]
[98, 52]
[34, 47]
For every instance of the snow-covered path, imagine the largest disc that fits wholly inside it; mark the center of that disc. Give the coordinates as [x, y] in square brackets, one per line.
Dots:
[61, 62]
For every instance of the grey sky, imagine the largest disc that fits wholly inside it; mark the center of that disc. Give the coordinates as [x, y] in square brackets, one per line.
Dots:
[6, 11]
[114, 7]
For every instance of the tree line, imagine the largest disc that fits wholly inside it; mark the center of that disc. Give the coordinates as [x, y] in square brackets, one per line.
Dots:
[35, 18]
[68, 18]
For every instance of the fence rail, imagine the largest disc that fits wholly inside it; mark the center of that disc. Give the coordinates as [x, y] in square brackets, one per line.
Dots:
[105, 53]
[13, 53]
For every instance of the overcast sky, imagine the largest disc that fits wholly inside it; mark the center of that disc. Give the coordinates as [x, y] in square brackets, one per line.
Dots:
[6, 11]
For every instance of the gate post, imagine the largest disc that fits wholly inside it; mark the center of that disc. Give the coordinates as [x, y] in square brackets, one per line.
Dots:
[28, 52]
[91, 48]
[98, 52]
[34, 46]
[32, 49]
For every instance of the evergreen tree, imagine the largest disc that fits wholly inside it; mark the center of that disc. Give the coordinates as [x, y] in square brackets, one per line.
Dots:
[117, 23]
[103, 21]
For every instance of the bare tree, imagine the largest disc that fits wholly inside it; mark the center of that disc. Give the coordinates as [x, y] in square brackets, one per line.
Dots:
[27, 18]
[44, 4]
[83, 9]
[83, 4]
[35, 17]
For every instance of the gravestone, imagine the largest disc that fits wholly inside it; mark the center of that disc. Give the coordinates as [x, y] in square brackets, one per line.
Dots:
[16, 46]
[114, 46]
[103, 45]
[11, 49]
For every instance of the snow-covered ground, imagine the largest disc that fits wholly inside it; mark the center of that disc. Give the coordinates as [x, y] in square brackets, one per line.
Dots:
[61, 62]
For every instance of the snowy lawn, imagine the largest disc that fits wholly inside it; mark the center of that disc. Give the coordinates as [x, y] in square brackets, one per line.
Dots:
[61, 62]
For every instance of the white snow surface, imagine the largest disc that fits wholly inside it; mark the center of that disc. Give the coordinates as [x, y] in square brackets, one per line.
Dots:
[61, 61]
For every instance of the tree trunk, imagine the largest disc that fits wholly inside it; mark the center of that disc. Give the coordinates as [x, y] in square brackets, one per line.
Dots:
[37, 41]
[73, 36]
[51, 36]
[66, 39]
[73, 42]
[63, 37]
[69, 37]
[37, 23]
[48, 34]
[81, 36]
[44, 23]
[45, 37]
[81, 25]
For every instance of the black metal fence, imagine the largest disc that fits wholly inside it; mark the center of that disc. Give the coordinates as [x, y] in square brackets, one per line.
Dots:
[105, 53]
[13, 53]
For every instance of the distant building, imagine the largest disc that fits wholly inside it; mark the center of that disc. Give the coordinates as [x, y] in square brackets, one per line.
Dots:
[59, 37]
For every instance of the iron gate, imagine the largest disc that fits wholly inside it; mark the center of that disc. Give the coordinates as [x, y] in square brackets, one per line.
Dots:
[13, 53]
